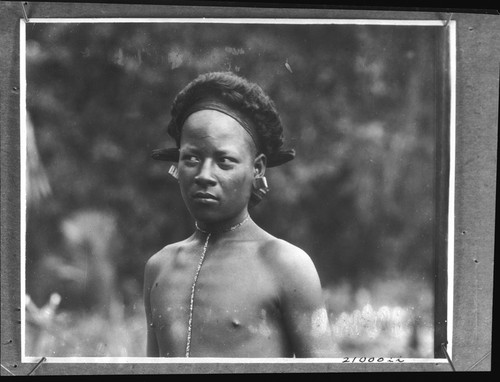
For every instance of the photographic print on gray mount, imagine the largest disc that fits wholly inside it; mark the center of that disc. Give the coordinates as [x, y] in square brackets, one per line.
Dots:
[377, 104]
[70, 250]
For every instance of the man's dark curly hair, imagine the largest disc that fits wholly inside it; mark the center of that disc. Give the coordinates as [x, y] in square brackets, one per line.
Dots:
[246, 97]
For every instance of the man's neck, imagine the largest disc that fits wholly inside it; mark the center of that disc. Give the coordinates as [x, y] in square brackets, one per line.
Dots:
[223, 227]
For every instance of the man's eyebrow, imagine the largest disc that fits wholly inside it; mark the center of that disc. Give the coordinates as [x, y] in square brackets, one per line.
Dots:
[189, 147]
[227, 152]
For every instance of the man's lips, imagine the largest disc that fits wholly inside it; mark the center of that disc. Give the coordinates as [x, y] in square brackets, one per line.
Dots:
[204, 196]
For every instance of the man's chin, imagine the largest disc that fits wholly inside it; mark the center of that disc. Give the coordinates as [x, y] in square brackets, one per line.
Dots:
[207, 214]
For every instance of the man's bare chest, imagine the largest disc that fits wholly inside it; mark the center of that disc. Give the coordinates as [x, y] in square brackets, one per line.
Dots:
[234, 294]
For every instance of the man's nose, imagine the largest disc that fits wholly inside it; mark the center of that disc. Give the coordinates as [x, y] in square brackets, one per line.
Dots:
[205, 176]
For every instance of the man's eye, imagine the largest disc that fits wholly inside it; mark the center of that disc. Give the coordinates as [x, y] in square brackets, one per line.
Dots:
[227, 161]
[190, 158]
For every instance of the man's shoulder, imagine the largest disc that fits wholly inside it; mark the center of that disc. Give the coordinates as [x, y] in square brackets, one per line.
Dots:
[164, 255]
[284, 254]
[292, 267]
[276, 246]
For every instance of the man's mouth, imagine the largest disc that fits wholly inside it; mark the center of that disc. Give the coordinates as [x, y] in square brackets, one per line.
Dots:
[204, 196]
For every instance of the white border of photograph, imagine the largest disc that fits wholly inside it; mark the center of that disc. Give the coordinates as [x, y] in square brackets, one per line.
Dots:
[451, 24]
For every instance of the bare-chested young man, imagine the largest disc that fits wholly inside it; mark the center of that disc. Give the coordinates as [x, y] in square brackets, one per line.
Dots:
[230, 289]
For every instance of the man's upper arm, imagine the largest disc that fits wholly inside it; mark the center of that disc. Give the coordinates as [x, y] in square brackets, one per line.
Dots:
[151, 343]
[302, 303]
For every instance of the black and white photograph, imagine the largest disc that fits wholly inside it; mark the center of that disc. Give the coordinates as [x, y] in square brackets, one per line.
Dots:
[238, 190]
[312, 165]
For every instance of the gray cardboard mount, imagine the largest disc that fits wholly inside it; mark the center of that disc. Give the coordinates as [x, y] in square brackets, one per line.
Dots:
[477, 101]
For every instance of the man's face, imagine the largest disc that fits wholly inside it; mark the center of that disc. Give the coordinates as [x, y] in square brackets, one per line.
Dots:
[216, 167]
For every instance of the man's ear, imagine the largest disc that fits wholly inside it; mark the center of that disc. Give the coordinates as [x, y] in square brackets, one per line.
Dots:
[260, 187]
[259, 166]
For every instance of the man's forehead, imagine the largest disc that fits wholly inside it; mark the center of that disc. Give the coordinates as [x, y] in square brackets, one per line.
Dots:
[228, 145]
[215, 126]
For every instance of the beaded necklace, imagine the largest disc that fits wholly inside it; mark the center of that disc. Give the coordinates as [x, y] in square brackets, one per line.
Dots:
[198, 269]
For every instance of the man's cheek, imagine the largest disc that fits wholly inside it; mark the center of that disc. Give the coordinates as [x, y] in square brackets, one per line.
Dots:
[238, 188]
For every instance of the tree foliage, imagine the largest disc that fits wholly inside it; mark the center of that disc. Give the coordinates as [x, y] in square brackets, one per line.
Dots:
[358, 104]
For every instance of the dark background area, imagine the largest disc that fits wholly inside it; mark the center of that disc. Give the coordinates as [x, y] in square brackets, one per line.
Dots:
[360, 104]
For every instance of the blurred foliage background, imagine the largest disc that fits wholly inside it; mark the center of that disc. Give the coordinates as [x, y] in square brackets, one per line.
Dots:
[359, 105]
